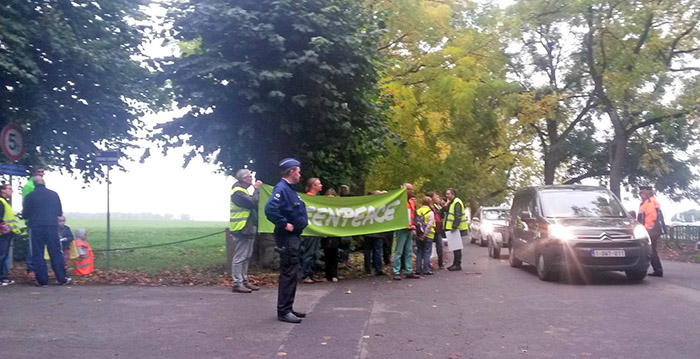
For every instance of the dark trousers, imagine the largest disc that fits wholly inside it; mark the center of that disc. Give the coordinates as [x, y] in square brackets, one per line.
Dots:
[655, 261]
[288, 245]
[330, 254]
[309, 248]
[438, 248]
[5, 242]
[386, 247]
[457, 262]
[47, 236]
[373, 254]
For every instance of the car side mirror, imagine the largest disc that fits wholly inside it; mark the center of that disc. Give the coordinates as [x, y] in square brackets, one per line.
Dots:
[475, 219]
[525, 215]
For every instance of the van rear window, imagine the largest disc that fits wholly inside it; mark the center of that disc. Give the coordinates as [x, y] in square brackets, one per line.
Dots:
[580, 204]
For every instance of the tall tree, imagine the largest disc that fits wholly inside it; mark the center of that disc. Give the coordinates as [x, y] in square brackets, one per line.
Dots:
[639, 57]
[554, 103]
[451, 104]
[266, 79]
[74, 78]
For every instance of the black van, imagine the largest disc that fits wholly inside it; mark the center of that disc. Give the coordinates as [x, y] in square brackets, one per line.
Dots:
[574, 227]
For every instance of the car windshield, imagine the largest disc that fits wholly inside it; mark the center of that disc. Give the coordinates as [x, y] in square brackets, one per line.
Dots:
[580, 204]
[494, 214]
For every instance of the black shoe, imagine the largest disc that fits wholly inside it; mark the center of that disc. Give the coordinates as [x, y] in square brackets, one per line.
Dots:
[289, 318]
[397, 277]
[656, 274]
[379, 274]
[299, 314]
[68, 281]
[454, 268]
[413, 276]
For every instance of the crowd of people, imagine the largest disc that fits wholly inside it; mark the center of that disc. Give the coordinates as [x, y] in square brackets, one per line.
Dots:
[431, 219]
[48, 236]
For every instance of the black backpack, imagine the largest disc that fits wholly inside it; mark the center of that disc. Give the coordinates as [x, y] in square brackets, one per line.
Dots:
[421, 226]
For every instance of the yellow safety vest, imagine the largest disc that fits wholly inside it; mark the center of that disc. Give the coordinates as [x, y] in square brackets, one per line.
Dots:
[9, 217]
[239, 215]
[463, 225]
[425, 212]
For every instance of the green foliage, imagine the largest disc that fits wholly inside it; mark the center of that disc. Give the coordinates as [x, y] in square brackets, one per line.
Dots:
[274, 79]
[452, 103]
[72, 79]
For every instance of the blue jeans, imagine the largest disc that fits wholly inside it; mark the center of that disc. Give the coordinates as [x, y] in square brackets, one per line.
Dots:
[373, 254]
[5, 242]
[423, 252]
[309, 249]
[404, 248]
[47, 236]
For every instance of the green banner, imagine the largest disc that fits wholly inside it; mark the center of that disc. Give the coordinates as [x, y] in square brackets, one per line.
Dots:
[346, 216]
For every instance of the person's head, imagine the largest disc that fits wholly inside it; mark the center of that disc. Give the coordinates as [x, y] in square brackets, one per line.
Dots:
[38, 171]
[645, 192]
[6, 190]
[427, 201]
[244, 177]
[39, 180]
[331, 193]
[450, 193]
[291, 170]
[344, 190]
[409, 189]
[435, 197]
[81, 233]
[61, 221]
[314, 185]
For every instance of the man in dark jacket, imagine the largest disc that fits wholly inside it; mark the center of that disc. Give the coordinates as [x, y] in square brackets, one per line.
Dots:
[41, 210]
[287, 212]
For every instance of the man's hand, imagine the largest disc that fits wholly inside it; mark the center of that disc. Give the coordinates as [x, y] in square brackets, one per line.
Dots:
[257, 184]
[289, 227]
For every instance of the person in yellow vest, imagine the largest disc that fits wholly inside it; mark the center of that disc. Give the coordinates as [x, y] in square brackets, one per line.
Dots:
[424, 241]
[85, 263]
[243, 225]
[456, 221]
[8, 231]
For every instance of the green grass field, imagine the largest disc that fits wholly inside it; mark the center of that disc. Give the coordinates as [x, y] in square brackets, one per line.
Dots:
[200, 253]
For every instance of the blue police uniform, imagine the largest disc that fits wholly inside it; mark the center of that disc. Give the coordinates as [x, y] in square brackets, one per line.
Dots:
[285, 206]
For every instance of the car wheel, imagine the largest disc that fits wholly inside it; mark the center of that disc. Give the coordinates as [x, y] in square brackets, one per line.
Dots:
[514, 262]
[636, 275]
[473, 239]
[482, 242]
[544, 269]
[496, 252]
[490, 245]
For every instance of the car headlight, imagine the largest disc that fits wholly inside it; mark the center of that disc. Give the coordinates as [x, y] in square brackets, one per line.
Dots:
[560, 232]
[488, 227]
[641, 233]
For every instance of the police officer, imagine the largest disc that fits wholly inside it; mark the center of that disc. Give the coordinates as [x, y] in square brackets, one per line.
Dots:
[287, 212]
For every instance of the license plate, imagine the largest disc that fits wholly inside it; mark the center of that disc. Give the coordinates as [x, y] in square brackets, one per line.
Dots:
[608, 253]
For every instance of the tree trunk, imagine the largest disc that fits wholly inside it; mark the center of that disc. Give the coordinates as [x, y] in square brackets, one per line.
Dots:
[618, 154]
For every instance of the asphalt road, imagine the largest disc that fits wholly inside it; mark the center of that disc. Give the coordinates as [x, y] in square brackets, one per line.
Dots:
[489, 310]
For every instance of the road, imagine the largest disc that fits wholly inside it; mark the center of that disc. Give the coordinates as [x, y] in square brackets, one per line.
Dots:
[489, 310]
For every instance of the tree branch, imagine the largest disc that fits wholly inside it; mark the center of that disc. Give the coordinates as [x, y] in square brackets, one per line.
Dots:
[656, 120]
[392, 43]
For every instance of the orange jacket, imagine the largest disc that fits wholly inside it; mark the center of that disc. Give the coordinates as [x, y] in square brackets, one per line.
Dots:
[84, 265]
[650, 216]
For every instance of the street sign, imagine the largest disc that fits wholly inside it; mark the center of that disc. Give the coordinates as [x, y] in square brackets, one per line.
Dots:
[107, 157]
[13, 169]
[12, 141]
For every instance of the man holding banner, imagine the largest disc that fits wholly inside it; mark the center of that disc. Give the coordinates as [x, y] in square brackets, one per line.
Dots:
[286, 210]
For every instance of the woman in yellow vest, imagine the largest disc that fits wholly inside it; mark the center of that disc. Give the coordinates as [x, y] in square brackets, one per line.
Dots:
[8, 231]
[424, 241]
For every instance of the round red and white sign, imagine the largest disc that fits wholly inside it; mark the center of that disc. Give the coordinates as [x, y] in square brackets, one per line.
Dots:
[12, 141]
